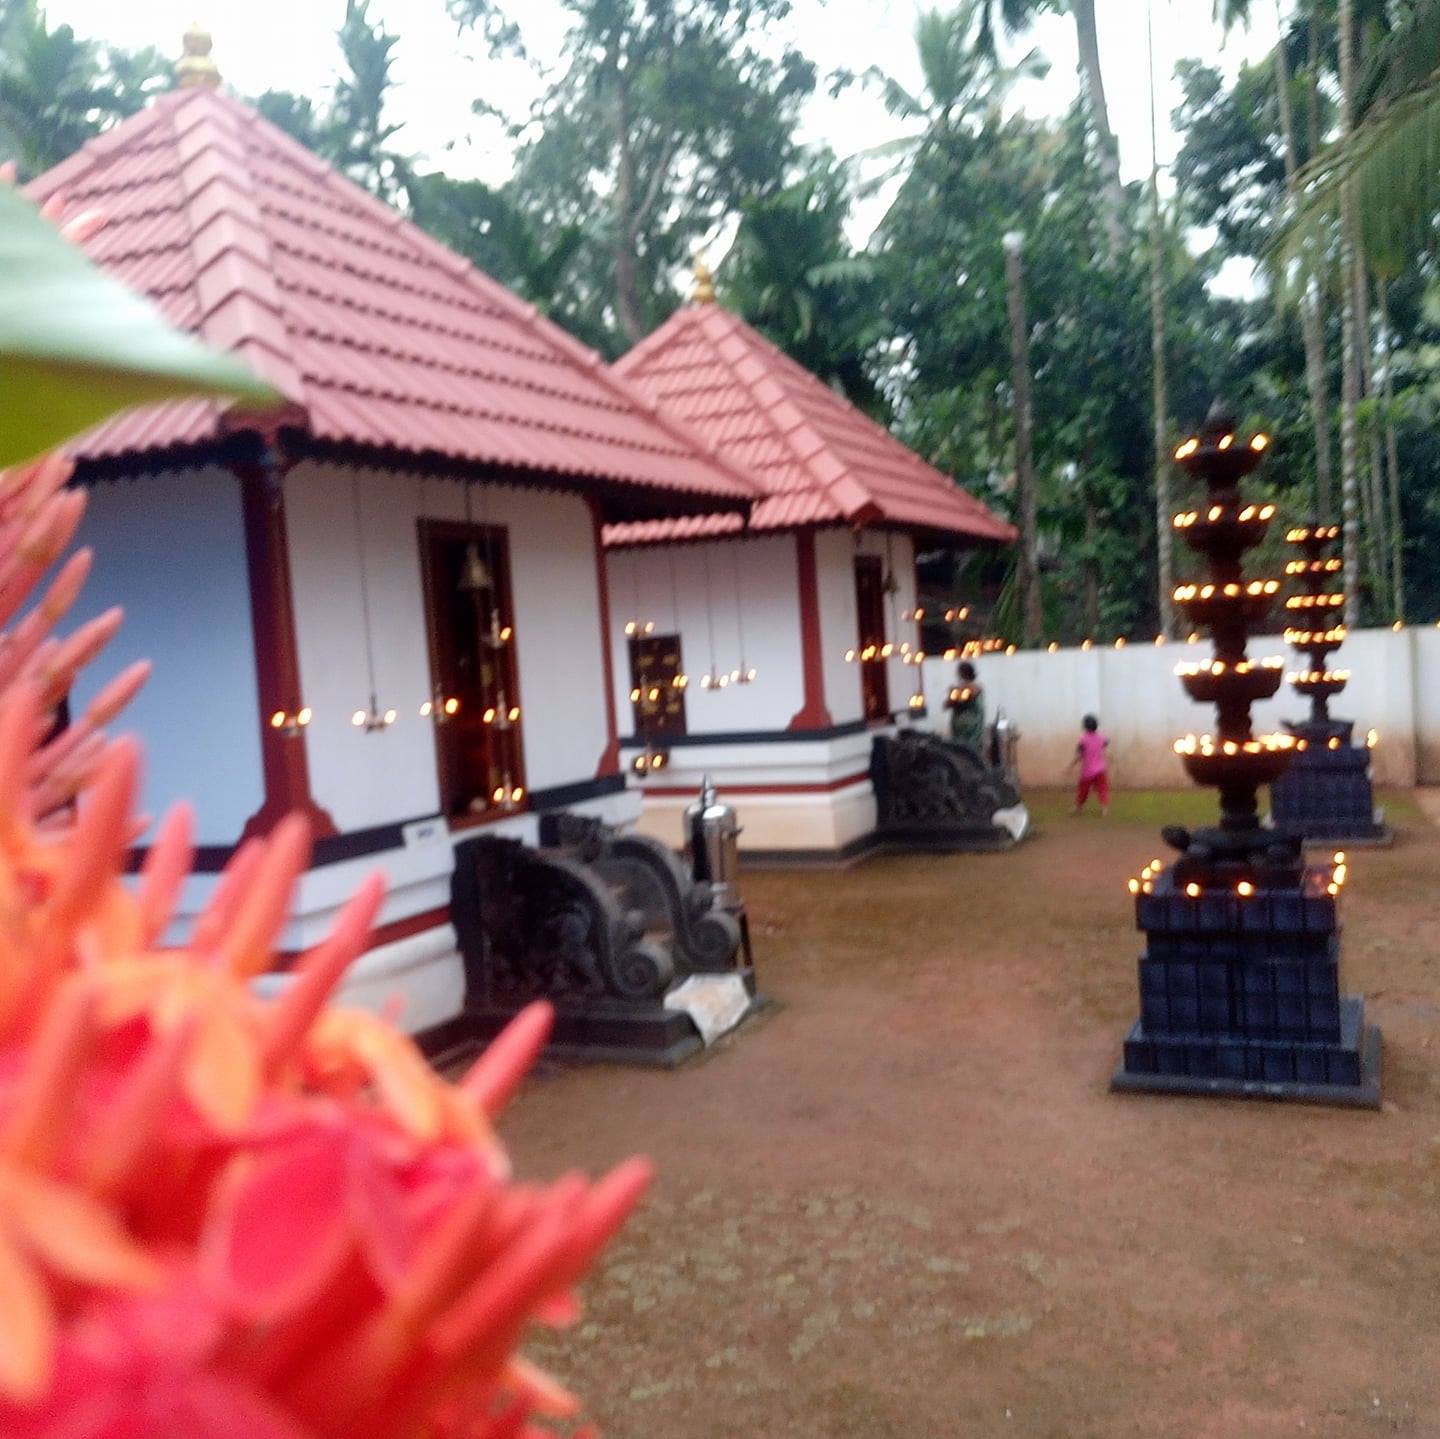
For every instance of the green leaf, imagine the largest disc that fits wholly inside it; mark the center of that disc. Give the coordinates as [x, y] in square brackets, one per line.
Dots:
[77, 346]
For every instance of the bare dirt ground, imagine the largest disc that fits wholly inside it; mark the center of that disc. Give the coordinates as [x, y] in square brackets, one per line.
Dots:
[904, 1203]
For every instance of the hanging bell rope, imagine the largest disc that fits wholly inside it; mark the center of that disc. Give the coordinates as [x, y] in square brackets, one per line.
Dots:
[744, 674]
[370, 719]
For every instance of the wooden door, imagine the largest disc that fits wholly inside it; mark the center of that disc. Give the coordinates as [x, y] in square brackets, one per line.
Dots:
[870, 608]
[471, 622]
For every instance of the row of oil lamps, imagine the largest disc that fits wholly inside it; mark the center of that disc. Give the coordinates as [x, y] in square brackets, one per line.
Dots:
[1207, 745]
[1335, 636]
[1231, 591]
[712, 679]
[1245, 515]
[1144, 882]
[441, 709]
[1257, 443]
[1219, 667]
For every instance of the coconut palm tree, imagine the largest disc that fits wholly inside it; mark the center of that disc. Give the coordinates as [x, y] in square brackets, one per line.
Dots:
[793, 274]
[1388, 157]
[962, 79]
[1011, 17]
[1349, 326]
[57, 90]
[1230, 13]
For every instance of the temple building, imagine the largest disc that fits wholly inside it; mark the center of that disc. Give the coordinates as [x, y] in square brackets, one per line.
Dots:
[385, 603]
[770, 651]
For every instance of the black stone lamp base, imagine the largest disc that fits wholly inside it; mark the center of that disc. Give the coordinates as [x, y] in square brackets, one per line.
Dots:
[1240, 996]
[1326, 795]
[1221, 1067]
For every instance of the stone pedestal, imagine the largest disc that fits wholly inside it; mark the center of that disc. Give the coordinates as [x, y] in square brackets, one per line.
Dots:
[932, 794]
[605, 926]
[1240, 996]
[1326, 795]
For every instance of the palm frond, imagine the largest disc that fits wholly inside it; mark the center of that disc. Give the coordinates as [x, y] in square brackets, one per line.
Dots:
[1392, 162]
[1405, 58]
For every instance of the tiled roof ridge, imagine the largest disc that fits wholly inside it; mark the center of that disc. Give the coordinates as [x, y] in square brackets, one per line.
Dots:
[796, 373]
[432, 252]
[849, 494]
[661, 338]
[261, 248]
[230, 246]
[59, 178]
[825, 438]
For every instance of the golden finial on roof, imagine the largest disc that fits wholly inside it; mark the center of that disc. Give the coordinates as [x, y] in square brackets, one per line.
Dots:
[704, 292]
[195, 69]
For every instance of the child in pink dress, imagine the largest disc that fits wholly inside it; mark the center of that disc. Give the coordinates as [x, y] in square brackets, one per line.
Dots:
[1090, 756]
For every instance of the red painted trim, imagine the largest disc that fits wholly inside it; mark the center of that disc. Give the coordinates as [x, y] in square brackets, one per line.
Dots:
[277, 662]
[820, 787]
[812, 714]
[610, 758]
[397, 929]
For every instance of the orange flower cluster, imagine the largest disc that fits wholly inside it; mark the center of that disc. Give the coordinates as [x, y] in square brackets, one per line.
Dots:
[223, 1215]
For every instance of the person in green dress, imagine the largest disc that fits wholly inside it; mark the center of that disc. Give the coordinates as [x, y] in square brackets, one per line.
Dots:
[966, 703]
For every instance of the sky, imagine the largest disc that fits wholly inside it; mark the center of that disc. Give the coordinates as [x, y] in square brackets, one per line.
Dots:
[290, 45]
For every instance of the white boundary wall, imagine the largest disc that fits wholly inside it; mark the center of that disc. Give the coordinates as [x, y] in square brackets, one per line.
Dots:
[1394, 688]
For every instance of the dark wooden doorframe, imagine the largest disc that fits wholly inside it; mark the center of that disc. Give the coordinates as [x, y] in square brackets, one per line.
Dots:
[870, 614]
[473, 754]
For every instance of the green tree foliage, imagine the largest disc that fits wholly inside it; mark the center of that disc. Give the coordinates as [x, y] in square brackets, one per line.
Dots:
[1231, 166]
[793, 274]
[943, 271]
[666, 116]
[671, 122]
[1392, 160]
[350, 128]
[486, 225]
[56, 90]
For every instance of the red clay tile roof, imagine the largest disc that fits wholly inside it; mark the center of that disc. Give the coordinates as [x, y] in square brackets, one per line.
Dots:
[680, 527]
[819, 460]
[375, 333]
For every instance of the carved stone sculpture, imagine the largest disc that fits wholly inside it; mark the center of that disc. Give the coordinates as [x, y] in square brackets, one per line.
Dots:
[601, 924]
[933, 794]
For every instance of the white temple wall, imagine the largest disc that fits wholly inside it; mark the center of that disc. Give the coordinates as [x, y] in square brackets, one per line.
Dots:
[171, 550]
[1394, 688]
[754, 594]
[364, 780]
[796, 794]
[792, 796]
[1425, 674]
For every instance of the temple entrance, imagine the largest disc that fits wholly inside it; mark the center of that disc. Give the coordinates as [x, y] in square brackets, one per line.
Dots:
[475, 694]
[870, 609]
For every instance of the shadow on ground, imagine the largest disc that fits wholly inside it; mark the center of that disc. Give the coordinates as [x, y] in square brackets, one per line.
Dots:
[904, 1203]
